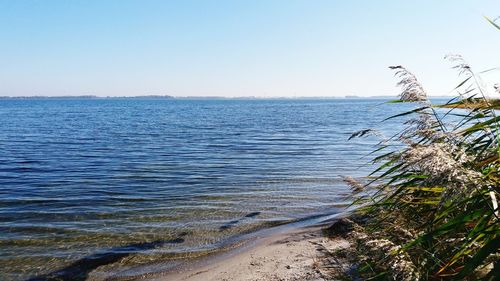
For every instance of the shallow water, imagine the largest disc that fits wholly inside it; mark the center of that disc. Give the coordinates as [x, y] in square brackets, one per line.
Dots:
[114, 183]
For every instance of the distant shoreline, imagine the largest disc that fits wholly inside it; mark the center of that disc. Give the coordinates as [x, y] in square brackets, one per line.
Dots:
[87, 97]
[199, 98]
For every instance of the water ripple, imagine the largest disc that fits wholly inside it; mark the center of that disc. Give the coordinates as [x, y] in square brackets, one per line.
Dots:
[88, 182]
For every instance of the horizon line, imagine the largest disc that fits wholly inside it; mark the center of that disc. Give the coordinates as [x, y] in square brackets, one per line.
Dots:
[211, 97]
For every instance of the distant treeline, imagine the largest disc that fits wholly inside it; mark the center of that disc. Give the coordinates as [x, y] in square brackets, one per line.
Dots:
[89, 97]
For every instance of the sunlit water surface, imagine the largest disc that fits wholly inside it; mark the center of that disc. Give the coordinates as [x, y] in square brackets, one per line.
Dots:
[106, 185]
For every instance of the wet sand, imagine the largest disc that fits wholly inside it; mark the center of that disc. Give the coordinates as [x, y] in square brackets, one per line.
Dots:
[289, 254]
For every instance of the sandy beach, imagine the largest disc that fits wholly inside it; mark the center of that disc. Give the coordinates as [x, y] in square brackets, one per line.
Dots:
[293, 254]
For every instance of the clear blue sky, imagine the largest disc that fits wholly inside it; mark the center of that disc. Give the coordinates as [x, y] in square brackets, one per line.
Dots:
[238, 48]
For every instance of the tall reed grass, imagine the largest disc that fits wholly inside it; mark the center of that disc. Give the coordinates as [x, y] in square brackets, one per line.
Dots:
[438, 179]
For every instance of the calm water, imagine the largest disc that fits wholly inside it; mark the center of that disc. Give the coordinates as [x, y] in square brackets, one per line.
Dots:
[123, 182]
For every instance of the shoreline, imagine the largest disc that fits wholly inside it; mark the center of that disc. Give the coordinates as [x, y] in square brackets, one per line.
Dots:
[286, 252]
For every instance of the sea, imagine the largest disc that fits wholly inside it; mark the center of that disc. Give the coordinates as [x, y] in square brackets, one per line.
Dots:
[105, 187]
